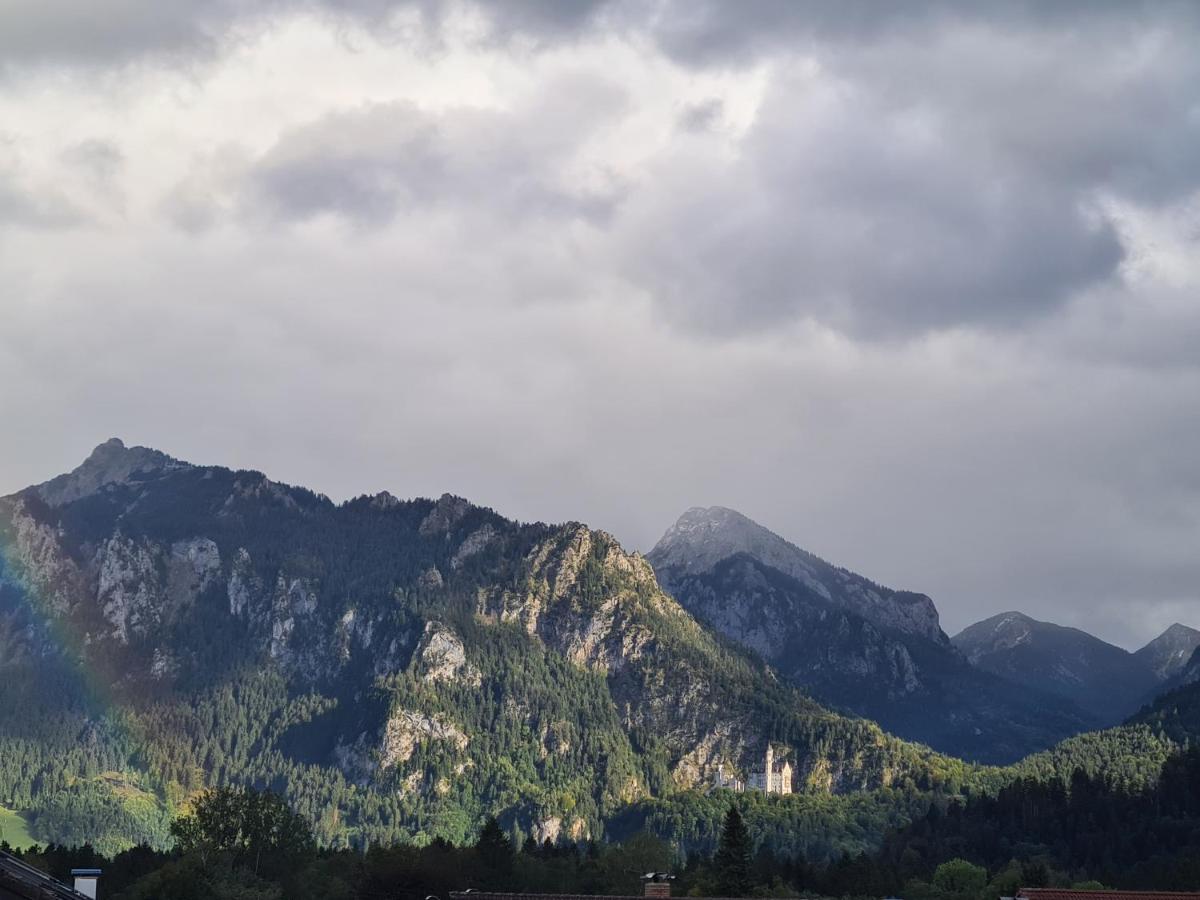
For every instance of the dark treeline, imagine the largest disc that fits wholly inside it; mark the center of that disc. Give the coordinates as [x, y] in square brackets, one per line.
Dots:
[1122, 835]
[1084, 832]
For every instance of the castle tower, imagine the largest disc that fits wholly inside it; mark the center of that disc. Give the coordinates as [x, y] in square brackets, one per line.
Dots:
[785, 778]
[769, 771]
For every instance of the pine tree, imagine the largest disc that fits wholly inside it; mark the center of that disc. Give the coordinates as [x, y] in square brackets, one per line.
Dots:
[494, 847]
[733, 858]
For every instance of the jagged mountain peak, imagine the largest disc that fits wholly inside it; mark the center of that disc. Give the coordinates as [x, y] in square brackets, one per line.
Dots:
[704, 536]
[1169, 653]
[112, 462]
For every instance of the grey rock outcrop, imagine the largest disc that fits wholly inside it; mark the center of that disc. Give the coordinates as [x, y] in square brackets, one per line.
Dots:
[701, 538]
[110, 463]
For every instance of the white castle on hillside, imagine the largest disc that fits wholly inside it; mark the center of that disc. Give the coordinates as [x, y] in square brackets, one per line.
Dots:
[773, 779]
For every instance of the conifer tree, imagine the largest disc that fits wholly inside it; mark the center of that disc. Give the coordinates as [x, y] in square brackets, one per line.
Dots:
[494, 847]
[733, 858]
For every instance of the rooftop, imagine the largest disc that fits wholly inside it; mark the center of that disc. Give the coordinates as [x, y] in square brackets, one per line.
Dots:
[1067, 894]
[20, 880]
[491, 895]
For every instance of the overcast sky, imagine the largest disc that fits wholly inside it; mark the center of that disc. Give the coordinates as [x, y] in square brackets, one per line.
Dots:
[918, 291]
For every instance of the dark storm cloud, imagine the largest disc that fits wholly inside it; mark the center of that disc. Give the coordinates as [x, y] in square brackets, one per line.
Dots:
[952, 165]
[872, 218]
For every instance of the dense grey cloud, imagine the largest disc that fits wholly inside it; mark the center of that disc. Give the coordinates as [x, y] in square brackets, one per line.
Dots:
[711, 31]
[19, 206]
[826, 181]
[71, 33]
[973, 167]
[100, 159]
[915, 286]
[703, 116]
[370, 163]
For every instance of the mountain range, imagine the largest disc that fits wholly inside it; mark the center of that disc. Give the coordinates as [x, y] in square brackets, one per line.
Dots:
[1001, 689]
[1107, 681]
[399, 669]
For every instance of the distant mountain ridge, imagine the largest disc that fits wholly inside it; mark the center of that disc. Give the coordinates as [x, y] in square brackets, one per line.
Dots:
[1104, 679]
[863, 647]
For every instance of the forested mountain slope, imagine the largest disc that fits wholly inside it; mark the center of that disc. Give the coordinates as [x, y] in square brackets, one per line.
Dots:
[397, 668]
[855, 644]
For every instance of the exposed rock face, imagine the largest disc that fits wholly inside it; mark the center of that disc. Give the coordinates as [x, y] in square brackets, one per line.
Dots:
[1169, 653]
[601, 608]
[703, 537]
[294, 599]
[548, 830]
[1190, 673]
[475, 543]
[34, 551]
[128, 592]
[244, 584]
[193, 567]
[446, 513]
[406, 729]
[843, 638]
[110, 463]
[581, 588]
[442, 656]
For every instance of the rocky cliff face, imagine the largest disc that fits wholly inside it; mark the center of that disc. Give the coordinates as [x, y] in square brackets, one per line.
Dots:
[1186, 676]
[1169, 653]
[110, 464]
[852, 643]
[701, 538]
[428, 651]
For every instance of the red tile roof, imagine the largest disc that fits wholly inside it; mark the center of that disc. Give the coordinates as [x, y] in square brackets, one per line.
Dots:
[1066, 894]
[494, 895]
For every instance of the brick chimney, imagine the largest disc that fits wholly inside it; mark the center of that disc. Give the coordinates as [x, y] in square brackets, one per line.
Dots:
[87, 882]
[657, 884]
